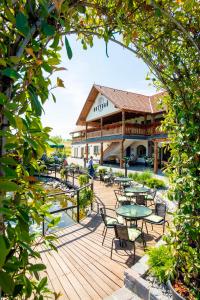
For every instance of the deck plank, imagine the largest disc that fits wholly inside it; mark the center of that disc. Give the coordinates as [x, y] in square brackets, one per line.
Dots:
[82, 268]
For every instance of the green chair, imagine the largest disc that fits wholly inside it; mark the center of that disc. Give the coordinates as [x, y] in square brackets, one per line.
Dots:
[159, 218]
[109, 221]
[150, 197]
[120, 197]
[125, 234]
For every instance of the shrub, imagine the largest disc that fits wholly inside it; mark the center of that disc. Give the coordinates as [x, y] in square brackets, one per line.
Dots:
[95, 166]
[102, 171]
[86, 197]
[135, 176]
[161, 262]
[119, 174]
[144, 176]
[155, 183]
[83, 179]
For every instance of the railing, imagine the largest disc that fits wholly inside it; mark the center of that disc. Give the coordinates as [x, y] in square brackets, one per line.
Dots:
[78, 139]
[135, 129]
[76, 192]
[130, 129]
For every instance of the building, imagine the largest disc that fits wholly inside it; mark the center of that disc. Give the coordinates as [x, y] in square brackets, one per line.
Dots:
[115, 123]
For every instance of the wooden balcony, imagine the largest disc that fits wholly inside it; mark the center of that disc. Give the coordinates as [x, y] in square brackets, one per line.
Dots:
[116, 129]
[130, 129]
[78, 139]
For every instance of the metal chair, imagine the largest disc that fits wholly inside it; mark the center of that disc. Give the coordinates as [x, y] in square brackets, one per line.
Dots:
[151, 196]
[109, 221]
[126, 234]
[120, 197]
[140, 199]
[159, 218]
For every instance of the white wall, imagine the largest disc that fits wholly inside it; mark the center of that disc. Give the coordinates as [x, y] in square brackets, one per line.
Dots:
[101, 107]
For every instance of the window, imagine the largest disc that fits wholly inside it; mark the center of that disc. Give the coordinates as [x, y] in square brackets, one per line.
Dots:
[75, 152]
[82, 152]
[141, 151]
[96, 150]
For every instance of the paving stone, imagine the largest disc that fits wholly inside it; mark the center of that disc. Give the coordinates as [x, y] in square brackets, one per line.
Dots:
[123, 294]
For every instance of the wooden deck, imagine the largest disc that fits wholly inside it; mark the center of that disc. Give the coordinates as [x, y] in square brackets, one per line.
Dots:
[82, 268]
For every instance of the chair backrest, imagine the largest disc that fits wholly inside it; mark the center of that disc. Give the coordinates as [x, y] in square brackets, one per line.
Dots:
[140, 200]
[125, 202]
[153, 193]
[118, 193]
[161, 209]
[103, 215]
[121, 232]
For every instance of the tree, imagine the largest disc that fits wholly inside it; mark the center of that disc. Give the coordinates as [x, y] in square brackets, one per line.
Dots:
[57, 139]
[165, 34]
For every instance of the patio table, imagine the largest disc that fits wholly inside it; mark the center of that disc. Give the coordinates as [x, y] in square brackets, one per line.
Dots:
[133, 212]
[123, 179]
[137, 189]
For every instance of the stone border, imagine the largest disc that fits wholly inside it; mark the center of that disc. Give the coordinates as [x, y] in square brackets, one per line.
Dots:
[135, 282]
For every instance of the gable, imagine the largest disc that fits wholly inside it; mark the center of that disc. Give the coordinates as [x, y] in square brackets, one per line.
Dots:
[102, 106]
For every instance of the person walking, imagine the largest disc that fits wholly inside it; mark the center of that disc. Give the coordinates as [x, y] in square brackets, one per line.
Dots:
[91, 167]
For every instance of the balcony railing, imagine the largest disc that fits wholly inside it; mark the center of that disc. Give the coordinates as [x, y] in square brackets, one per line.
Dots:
[130, 129]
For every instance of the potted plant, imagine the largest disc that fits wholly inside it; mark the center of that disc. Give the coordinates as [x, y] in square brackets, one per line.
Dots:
[163, 266]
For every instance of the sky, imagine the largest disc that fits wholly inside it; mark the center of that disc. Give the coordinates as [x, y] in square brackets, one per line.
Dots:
[121, 70]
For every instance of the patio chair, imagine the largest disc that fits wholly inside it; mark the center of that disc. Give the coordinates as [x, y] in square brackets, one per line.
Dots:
[159, 218]
[120, 197]
[140, 199]
[109, 221]
[125, 234]
[150, 196]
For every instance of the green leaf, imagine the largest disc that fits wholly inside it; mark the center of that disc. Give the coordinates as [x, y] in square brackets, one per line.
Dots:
[47, 67]
[11, 73]
[47, 29]
[35, 103]
[68, 48]
[3, 98]
[22, 23]
[8, 186]
[54, 98]
[28, 287]
[55, 42]
[42, 283]
[2, 62]
[8, 161]
[3, 250]
[37, 268]
[6, 282]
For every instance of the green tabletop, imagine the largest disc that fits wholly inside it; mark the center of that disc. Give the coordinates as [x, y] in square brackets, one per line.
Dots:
[134, 212]
[123, 179]
[136, 189]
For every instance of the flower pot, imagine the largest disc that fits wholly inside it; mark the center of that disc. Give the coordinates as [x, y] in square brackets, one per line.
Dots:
[175, 295]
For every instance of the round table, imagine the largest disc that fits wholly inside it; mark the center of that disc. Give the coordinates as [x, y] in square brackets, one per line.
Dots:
[123, 179]
[133, 212]
[137, 189]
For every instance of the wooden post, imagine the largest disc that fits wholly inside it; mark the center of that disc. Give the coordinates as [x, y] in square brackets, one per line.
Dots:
[101, 127]
[155, 157]
[86, 153]
[78, 206]
[122, 154]
[86, 126]
[153, 127]
[145, 124]
[101, 154]
[123, 122]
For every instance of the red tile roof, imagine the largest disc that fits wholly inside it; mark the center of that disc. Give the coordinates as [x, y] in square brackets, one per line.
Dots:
[131, 101]
[123, 100]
